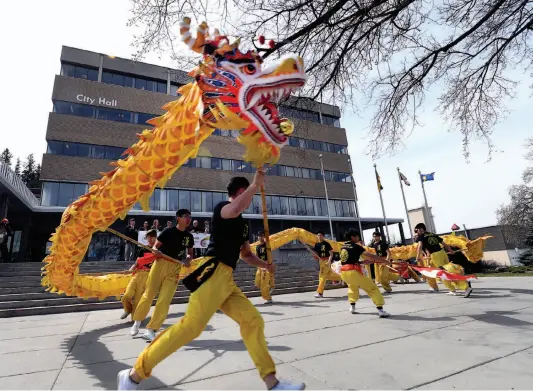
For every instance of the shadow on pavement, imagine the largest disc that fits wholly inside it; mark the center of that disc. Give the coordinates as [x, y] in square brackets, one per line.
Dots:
[499, 318]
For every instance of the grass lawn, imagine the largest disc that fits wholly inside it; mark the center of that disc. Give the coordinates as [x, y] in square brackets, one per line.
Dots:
[505, 274]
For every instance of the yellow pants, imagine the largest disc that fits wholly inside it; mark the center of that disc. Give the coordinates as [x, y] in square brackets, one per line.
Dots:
[218, 292]
[163, 279]
[377, 273]
[356, 280]
[326, 274]
[265, 282]
[134, 291]
[454, 285]
[386, 275]
[438, 259]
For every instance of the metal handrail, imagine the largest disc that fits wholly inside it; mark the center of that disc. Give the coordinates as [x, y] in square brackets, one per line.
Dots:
[12, 180]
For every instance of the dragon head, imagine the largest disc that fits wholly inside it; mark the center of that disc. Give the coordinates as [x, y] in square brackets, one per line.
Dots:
[239, 93]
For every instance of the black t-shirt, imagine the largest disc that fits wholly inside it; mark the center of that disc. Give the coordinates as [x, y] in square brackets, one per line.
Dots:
[261, 251]
[350, 253]
[381, 248]
[227, 237]
[430, 242]
[131, 233]
[322, 249]
[175, 242]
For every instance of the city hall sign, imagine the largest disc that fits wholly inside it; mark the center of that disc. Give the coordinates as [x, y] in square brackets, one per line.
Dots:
[101, 101]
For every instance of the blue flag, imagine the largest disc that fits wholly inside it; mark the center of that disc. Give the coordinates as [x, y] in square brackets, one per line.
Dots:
[427, 177]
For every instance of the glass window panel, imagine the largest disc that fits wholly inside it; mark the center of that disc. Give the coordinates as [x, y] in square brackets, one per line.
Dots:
[338, 208]
[70, 149]
[196, 201]
[293, 209]
[174, 90]
[207, 201]
[98, 152]
[274, 170]
[282, 171]
[310, 210]
[297, 172]
[225, 133]
[237, 165]
[269, 205]
[67, 70]
[150, 86]
[118, 79]
[84, 150]
[140, 84]
[303, 143]
[172, 199]
[155, 200]
[346, 208]
[332, 211]
[227, 164]
[344, 150]
[316, 145]
[225, 197]
[246, 167]
[336, 148]
[192, 163]
[306, 173]
[162, 87]
[216, 164]
[300, 206]
[80, 72]
[107, 77]
[284, 205]
[184, 199]
[294, 142]
[323, 146]
[289, 171]
[66, 193]
[323, 207]
[316, 207]
[162, 199]
[55, 148]
[256, 205]
[143, 117]
[129, 81]
[50, 193]
[205, 162]
[113, 153]
[217, 198]
[79, 190]
[276, 206]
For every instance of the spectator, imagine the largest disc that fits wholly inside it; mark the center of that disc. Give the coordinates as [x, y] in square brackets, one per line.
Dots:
[156, 226]
[145, 227]
[169, 224]
[5, 232]
[195, 229]
[206, 225]
[130, 232]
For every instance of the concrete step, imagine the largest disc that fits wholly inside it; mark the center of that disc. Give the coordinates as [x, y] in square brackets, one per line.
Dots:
[42, 294]
[49, 299]
[57, 309]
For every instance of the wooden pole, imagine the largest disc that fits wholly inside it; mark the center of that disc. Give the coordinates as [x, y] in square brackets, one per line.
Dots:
[265, 225]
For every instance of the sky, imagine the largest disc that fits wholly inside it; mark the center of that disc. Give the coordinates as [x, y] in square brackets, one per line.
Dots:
[462, 193]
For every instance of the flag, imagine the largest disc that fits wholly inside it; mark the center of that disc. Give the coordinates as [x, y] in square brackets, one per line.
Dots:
[378, 180]
[404, 179]
[432, 272]
[427, 177]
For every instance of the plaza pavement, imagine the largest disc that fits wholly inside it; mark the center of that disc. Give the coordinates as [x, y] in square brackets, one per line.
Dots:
[431, 341]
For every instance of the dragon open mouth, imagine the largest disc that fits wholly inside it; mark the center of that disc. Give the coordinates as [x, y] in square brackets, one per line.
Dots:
[261, 101]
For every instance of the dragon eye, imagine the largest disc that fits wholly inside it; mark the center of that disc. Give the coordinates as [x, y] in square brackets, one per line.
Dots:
[249, 69]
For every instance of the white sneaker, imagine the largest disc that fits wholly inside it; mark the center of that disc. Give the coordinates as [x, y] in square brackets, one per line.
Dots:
[433, 290]
[401, 280]
[468, 292]
[124, 381]
[149, 335]
[452, 293]
[124, 315]
[383, 314]
[268, 301]
[319, 296]
[352, 309]
[135, 328]
[285, 385]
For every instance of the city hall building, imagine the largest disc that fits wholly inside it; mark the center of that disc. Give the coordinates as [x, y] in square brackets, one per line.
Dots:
[100, 103]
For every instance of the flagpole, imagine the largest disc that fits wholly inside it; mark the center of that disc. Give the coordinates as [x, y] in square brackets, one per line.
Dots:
[327, 199]
[356, 203]
[426, 203]
[382, 206]
[405, 203]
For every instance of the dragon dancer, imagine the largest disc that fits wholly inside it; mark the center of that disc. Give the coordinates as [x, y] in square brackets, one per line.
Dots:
[164, 275]
[212, 287]
[141, 270]
[352, 272]
[323, 252]
[263, 278]
[384, 274]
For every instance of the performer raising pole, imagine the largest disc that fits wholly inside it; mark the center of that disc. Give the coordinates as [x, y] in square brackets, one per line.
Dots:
[402, 178]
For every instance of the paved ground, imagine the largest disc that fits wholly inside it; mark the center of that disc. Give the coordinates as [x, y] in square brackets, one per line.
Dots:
[432, 341]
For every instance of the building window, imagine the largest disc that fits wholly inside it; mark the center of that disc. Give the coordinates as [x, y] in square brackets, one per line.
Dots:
[62, 193]
[79, 72]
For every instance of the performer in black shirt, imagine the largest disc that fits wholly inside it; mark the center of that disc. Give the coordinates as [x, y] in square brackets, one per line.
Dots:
[352, 273]
[164, 275]
[213, 288]
[324, 255]
[264, 280]
[382, 250]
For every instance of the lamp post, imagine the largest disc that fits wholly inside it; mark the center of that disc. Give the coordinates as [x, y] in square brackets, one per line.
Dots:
[327, 198]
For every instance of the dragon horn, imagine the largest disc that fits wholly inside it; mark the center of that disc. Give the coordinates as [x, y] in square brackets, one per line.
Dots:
[195, 44]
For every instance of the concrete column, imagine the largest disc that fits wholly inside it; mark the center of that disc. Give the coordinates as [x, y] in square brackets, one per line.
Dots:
[100, 68]
[402, 235]
[24, 239]
[168, 81]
